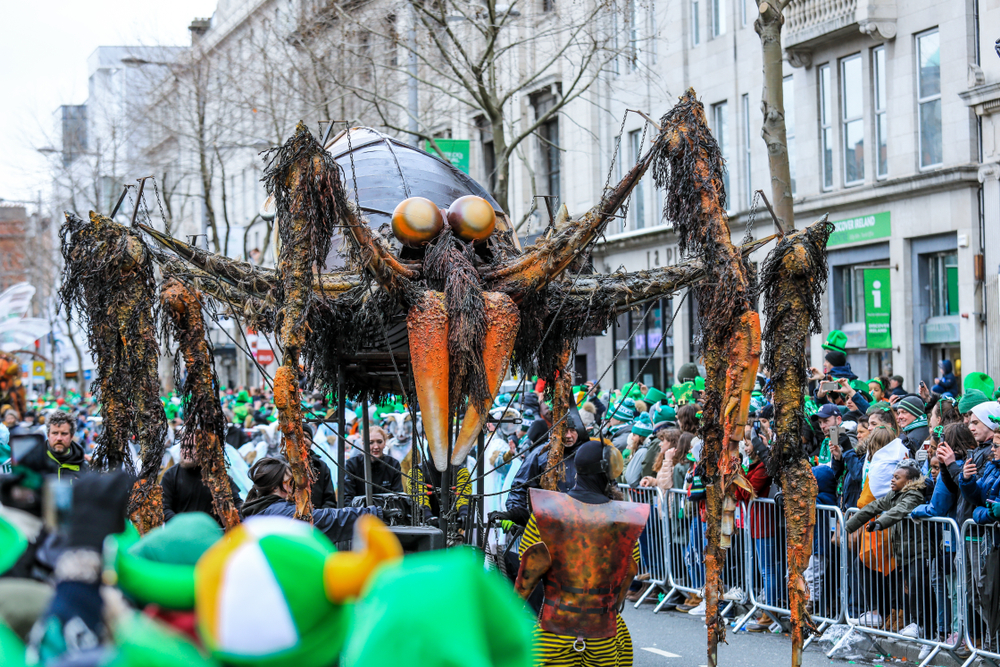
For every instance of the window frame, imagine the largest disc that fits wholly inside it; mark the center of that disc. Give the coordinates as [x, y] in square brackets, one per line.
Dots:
[720, 111]
[846, 121]
[718, 11]
[637, 204]
[695, 22]
[789, 127]
[747, 152]
[930, 99]
[827, 139]
[880, 103]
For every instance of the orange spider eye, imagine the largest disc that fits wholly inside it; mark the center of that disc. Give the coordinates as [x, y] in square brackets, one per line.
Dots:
[416, 221]
[472, 218]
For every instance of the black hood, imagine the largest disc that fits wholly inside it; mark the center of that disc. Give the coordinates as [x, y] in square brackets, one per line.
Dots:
[258, 505]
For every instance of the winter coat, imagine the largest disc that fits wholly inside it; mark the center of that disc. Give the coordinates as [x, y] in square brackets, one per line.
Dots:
[984, 486]
[761, 515]
[842, 372]
[322, 493]
[889, 510]
[947, 381]
[184, 491]
[950, 476]
[529, 477]
[914, 439]
[39, 460]
[849, 471]
[386, 475]
[337, 524]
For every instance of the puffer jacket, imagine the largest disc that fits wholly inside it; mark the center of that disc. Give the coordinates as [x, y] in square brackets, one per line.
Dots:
[984, 486]
[889, 510]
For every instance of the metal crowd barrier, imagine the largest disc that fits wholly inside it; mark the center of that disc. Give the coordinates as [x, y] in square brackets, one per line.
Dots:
[652, 554]
[982, 617]
[767, 566]
[919, 581]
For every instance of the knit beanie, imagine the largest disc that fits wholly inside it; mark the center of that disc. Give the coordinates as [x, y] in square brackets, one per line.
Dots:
[643, 426]
[912, 404]
[971, 399]
[988, 412]
[836, 358]
[664, 413]
[624, 411]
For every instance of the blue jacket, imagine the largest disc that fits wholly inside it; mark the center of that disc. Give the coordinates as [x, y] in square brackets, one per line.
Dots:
[850, 472]
[529, 477]
[843, 372]
[337, 524]
[942, 502]
[984, 486]
[947, 383]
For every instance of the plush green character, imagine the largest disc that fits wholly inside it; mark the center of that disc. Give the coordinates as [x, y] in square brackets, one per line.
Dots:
[683, 393]
[466, 616]
[979, 381]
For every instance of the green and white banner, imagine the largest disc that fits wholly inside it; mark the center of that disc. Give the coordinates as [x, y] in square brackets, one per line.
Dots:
[860, 229]
[877, 310]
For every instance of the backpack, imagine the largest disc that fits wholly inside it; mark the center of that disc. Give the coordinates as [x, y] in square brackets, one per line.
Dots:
[633, 471]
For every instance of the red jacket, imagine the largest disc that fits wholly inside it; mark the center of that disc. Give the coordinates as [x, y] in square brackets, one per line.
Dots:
[762, 515]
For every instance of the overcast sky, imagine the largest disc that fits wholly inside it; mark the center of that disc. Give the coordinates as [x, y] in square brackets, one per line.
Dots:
[44, 45]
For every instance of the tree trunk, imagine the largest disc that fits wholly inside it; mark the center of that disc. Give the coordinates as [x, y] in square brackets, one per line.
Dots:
[562, 395]
[768, 27]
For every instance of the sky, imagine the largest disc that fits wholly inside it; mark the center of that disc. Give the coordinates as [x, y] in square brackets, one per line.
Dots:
[44, 46]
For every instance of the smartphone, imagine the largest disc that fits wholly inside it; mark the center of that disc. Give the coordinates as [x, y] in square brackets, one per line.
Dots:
[922, 385]
[829, 386]
[57, 503]
[756, 426]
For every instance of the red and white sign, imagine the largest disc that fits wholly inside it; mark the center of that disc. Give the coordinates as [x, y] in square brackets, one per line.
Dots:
[264, 357]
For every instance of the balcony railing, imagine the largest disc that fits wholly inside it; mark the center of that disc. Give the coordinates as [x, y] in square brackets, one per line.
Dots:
[810, 22]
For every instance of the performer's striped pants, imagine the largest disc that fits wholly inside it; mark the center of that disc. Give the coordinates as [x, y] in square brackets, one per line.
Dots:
[554, 650]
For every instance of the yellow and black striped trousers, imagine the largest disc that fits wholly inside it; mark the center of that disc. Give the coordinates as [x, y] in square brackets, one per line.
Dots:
[552, 650]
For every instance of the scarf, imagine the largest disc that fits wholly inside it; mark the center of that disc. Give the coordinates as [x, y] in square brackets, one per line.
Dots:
[916, 423]
[67, 466]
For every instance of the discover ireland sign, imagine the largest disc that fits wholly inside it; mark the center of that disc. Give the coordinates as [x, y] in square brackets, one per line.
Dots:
[860, 229]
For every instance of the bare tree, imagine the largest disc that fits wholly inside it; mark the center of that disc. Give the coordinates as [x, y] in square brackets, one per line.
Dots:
[768, 24]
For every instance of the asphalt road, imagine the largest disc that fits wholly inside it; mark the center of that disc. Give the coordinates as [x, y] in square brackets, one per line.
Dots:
[672, 639]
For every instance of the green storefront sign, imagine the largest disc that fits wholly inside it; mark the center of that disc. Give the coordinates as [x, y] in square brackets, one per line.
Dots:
[877, 310]
[860, 229]
[455, 151]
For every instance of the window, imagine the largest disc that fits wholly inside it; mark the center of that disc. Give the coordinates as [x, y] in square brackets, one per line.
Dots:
[651, 344]
[614, 40]
[743, 10]
[720, 127]
[718, 17]
[826, 124]
[788, 101]
[489, 156]
[548, 5]
[929, 97]
[695, 23]
[881, 120]
[944, 284]
[633, 35]
[638, 205]
[852, 117]
[747, 139]
[548, 146]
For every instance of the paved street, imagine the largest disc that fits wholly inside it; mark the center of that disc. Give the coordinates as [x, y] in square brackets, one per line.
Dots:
[678, 640]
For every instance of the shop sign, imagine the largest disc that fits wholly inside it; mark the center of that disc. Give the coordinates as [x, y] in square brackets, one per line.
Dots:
[264, 357]
[455, 151]
[945, 330]
[877, 310]
[860, 229]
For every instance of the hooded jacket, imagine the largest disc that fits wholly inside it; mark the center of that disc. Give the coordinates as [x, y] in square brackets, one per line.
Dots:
[44, 461]
[947, 380]
[889, 510]
[984, 486]
[529, 476]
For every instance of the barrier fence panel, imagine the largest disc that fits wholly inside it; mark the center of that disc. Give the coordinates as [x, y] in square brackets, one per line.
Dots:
[652, 542]
[684, 533]
[982, 612]
[768, 567]
[902, 580]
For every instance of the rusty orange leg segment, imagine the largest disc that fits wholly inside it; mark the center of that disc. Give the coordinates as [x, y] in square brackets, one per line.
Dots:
[427, 326]
[502, 322]
[286, 399]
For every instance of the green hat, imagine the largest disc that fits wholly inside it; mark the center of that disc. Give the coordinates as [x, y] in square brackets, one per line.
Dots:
[881, 406]
[970, 399]
[159, 567]
[653, 395]
[912, 404]
[877, 381]
[623, 411]
[980, 381]
[665, 413]
[643, 426]
[683, 393]
[836, 341]
[485, 626]
[635, 391]
[242, 397]
[687, 372]
[240, 414]
[861, 388]
[699, 383]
